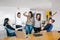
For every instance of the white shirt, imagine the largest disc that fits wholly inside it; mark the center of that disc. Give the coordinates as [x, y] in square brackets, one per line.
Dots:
[18, 21]
[37, 23]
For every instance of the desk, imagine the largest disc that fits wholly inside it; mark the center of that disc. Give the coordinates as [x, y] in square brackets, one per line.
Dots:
[54, 35]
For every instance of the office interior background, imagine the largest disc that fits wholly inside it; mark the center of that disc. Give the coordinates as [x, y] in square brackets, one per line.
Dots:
[9, 8]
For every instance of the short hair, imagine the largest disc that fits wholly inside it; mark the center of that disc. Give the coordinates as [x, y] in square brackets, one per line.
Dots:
[18, 13]
[52, 20]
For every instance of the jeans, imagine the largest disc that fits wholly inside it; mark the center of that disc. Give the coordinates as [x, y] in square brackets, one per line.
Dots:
[28, 29]
[48, 27]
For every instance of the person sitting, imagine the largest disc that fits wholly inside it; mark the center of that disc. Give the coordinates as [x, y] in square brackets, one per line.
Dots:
[10, 30]
[37, 23]
[49, 25]
[19, 22]
[29, 23]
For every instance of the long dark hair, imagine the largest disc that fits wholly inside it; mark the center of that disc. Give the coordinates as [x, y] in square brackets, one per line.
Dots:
[31, 13]
[5, 21]
[39, 17]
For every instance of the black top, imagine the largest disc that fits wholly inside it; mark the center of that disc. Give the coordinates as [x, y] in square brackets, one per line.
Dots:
[9, 26]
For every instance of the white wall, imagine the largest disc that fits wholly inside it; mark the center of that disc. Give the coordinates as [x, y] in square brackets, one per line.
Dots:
[10, 12]
[56, 7]
[7, 12]
[57, 21]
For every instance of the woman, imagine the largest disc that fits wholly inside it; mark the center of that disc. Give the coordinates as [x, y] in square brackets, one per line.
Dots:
[29, 23]
[10, 29]
[37, 23]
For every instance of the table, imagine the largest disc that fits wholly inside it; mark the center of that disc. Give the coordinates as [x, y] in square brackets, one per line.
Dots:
[53, 35]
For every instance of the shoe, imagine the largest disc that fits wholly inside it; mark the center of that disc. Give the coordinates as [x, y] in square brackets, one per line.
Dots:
[26, 36]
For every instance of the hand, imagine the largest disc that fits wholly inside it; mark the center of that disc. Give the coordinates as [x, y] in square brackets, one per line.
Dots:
[43, 31]
[16, 29]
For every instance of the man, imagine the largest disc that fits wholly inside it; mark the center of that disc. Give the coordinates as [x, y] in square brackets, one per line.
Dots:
[49, 25]
[19, 21]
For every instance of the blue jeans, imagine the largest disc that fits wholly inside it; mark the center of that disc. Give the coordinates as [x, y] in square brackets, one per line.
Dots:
[28, 29]
[48, 27]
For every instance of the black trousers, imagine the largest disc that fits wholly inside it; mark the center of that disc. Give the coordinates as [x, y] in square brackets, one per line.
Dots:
[19, 26]
[36, 30]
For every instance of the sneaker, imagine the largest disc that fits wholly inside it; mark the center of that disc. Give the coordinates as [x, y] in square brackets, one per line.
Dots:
[26, 36]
